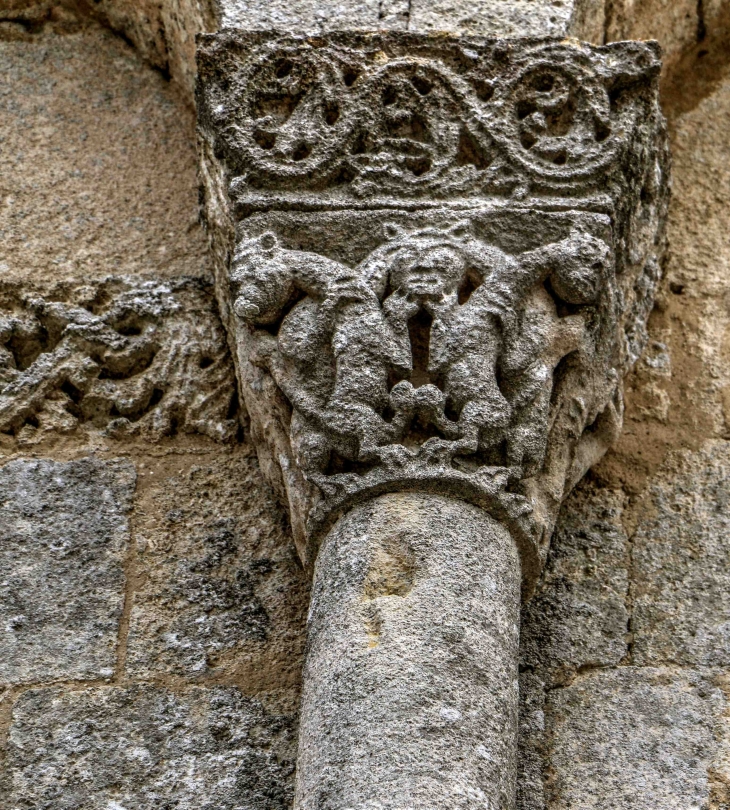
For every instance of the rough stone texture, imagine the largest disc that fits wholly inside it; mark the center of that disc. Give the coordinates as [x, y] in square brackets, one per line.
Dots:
[681, 564]
[90, 131]
[163, 33]
[577, 621]
[221, 593]
[309, 15]
[410, 682]
[64, 532]
[606, 737]
[458, 349]
[337, 406]
[673, 23]
[146, 746]
[578, 617]
[122, 355]
[684, 28]
[97, 164]
[436, 258]
[678, 398]
[633, 739]
[531, 761]
[672, 456]
[582, 19]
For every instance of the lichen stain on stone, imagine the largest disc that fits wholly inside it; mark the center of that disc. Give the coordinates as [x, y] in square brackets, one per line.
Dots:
[392, 571]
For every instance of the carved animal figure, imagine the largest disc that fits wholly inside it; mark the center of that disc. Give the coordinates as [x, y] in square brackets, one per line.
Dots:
[339, 318]
[493, 342]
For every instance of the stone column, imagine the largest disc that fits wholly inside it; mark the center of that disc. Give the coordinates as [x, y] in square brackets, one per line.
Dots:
[435, 257]
[410, 683]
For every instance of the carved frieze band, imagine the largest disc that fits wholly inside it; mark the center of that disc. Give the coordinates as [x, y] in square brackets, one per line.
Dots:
[119, 355]
[367, 116]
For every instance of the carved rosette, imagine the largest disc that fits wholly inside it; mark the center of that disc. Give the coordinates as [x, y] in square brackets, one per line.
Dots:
[441, 255]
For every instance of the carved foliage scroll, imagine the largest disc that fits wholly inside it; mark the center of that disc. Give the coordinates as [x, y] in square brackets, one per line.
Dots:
[123, 356]
[370, 116]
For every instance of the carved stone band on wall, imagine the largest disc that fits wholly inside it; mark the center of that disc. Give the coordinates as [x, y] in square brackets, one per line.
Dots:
[435, 257]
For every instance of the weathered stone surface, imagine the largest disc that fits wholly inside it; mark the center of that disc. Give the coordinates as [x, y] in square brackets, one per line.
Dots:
[122, 355]
[313, 15]
[410, 683]
[677, 409]
[531, 764]
[435, 257]
[583, 19]
[674, 23]
[98, 161]
[163, 33]
[680, 396]
[681, 564]
[633, 738]
[577, 620]
[491, 435]
[685, 369]
[578, 616]
[64, 532]
[145, 746]
[221, 592]
[477, 127]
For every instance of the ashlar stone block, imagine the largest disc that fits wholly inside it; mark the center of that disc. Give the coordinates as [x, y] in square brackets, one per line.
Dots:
[311, 15]
[220, 588]
[579, 617]
[583, 19]
[64, 531]
[633, 738]
[681, 580]
[511, 18]
[145, 746]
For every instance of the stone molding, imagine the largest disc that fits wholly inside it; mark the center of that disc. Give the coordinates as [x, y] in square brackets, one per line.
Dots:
[436, 257]
[360, 117]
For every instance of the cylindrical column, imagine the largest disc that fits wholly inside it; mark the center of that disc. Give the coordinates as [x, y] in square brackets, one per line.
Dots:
[410, 683]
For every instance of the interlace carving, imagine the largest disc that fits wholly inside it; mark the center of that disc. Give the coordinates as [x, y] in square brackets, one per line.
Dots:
[125, 356]
[371, 116]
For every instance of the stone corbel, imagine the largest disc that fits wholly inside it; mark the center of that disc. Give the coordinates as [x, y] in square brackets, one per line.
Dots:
[435, 259]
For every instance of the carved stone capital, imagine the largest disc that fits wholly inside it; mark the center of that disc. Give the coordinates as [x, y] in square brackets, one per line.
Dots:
[437, 260]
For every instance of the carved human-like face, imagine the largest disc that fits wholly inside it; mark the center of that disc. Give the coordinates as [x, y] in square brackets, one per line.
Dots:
[429, 273]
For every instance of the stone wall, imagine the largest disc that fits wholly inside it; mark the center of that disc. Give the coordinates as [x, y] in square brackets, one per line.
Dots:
[152, 607]
[151, 602]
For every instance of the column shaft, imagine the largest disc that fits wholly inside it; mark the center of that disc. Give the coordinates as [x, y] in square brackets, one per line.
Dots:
[410, 682]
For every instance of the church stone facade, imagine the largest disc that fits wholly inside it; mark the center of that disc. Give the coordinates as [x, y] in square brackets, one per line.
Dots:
[364, 405]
